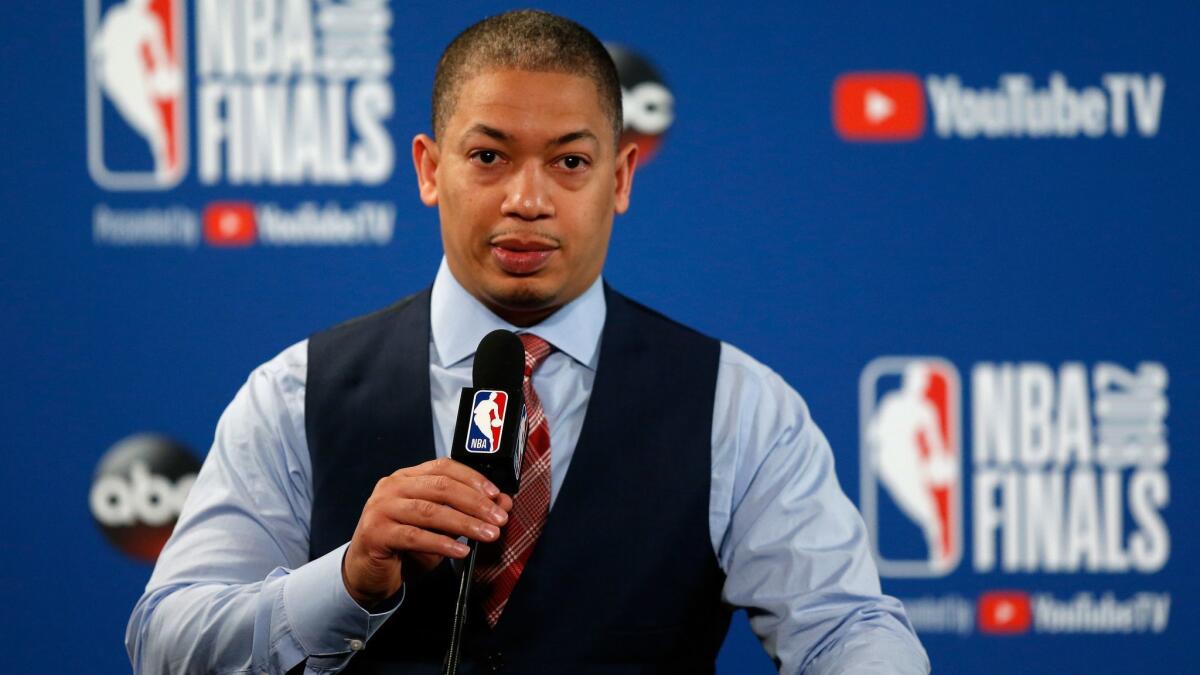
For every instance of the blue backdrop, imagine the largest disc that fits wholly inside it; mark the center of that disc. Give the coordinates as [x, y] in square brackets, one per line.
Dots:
[970, 229]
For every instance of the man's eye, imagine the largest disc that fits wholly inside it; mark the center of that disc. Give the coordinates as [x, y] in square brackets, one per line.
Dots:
[573, 162]
[487, 156]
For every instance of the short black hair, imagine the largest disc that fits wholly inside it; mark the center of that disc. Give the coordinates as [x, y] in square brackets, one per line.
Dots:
[526, 39]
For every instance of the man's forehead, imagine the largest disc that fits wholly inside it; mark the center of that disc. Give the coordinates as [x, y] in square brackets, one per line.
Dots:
[523, 104]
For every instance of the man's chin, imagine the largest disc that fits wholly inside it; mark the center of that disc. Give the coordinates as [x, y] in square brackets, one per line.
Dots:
[525, 297]
[523, 301]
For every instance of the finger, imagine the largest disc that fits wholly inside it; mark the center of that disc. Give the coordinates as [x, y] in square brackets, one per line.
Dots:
[440, 518]
[402, 538]
[504, 501]
[456, 470]
[442, 489]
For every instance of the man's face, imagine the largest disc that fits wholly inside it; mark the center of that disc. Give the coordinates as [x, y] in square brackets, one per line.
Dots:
[527, 180]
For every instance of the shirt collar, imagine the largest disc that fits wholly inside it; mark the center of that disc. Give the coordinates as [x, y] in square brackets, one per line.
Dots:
[458, 322]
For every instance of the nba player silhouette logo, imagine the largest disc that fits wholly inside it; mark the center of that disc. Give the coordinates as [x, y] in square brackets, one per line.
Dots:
[911, 465]
[137, 93]
[487, 421]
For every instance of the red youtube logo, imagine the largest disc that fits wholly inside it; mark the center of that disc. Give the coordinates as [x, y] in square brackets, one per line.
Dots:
[878, 107]
[230, 224]
[1004, 612]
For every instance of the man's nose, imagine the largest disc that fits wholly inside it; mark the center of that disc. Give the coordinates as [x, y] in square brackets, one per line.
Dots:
[528, 194]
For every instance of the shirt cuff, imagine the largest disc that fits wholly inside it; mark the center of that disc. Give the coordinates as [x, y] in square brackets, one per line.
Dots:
[323, 617]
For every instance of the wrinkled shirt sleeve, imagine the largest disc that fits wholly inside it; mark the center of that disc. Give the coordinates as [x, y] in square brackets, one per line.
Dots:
[233, 590]
[793, 547]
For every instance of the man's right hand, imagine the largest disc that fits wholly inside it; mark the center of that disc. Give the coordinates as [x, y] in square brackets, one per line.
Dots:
[411, 522]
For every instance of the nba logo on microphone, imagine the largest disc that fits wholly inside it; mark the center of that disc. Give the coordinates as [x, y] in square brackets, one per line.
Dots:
[911, 465]
[487, 421]
[136, 93]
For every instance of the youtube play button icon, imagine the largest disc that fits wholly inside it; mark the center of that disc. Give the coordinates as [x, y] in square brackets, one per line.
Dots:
[1005, 612]
[878, 107]
[230, 224]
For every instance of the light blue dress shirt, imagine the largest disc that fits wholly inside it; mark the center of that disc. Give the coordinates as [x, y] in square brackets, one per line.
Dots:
[234, 591]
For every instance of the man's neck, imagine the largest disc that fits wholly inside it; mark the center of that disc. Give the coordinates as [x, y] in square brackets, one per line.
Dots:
[459, 319]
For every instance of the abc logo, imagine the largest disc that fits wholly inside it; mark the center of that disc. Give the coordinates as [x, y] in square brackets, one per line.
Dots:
[648, 106]
[138, 491]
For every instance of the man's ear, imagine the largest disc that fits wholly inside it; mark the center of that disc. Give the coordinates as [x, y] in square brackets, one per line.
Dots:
[425, 161]
[627, 158]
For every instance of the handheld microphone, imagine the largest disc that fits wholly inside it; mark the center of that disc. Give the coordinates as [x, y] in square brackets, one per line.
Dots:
[489, 435]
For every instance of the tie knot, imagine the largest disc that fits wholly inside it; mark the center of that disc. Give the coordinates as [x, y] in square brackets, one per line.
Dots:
[536, 351]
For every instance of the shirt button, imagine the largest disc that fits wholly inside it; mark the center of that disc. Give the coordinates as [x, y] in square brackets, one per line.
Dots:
[356, 645]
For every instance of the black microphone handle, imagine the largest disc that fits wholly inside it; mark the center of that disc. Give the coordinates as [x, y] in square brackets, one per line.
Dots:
[460, 611]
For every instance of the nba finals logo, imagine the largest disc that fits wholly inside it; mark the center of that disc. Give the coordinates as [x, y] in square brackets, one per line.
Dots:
[487, 421]
[912, 465]
[137, 93]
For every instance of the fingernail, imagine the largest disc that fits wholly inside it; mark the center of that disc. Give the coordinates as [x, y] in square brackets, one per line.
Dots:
[461, 549]
[499, 516]
[491, 489]
[488, 531]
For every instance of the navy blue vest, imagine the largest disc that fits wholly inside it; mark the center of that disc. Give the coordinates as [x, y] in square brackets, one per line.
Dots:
[623, 578]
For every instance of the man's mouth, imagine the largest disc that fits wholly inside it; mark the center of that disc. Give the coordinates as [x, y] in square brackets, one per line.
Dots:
[521, 254]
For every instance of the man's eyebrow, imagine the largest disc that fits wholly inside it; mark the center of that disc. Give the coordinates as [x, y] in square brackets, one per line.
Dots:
[582, 134]
[490, 132]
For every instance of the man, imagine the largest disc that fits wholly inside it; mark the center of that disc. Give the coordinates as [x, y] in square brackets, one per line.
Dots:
[318, 534]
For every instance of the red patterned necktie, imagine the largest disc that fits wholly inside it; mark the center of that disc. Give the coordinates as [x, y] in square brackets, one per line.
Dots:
[501, 563]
